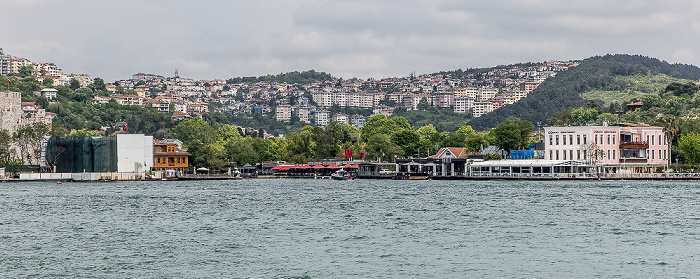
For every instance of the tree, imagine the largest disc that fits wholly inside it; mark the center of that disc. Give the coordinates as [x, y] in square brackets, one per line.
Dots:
[99, 84]
[671, 127]
[193, 130]
[5, 143]
[690, 145]
[582, 116]
[560, 119]
[47, 82]
[680, 89]
[423, 104]
[84, 133]
[512, 134]
[30, 140]
[26, 71]
[407, 140]
[74, 84]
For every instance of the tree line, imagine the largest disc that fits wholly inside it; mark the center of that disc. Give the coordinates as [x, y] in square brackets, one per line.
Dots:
[382, 138]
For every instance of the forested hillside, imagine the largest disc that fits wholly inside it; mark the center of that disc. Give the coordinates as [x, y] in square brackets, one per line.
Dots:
[564, 91]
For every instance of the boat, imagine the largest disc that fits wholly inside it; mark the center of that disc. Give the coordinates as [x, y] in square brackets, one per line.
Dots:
[341, 175]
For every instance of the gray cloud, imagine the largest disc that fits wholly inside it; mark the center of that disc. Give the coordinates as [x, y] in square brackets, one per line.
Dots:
[221, 39]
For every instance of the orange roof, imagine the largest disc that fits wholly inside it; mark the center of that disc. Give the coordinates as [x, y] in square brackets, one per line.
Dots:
[459, 152]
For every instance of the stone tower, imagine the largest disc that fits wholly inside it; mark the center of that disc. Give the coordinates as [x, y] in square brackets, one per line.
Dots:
[10, 110]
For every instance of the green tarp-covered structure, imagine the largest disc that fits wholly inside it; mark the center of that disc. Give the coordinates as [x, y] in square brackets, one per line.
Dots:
[82, 154]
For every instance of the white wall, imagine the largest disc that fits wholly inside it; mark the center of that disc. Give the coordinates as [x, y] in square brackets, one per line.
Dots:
[134, 153]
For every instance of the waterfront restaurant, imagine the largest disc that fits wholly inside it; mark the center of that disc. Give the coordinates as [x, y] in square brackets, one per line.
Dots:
[449, 161]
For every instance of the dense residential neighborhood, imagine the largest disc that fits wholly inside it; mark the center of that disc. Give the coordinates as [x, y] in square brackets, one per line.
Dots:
[472, 94]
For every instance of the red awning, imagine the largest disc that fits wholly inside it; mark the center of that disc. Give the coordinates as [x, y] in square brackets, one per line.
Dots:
[349, 166]
[319, 166]
[282, 168]
[356, 166]
[333, 166]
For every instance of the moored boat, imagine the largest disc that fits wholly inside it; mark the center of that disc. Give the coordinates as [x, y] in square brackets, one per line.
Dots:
[341, 175]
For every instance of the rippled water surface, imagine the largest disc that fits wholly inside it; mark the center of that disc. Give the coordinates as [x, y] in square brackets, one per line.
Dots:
[350, 229]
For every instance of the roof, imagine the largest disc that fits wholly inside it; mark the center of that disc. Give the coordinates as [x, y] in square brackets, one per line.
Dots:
[458, 152]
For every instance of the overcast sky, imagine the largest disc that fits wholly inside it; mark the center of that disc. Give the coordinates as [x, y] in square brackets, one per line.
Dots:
[365, 38]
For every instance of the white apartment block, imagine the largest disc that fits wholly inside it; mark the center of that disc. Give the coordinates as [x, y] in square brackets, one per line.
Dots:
[5, 63]
[471, 92]
[322, 117]
[341, 118]
[49, 69]
[463, 104]
[486, 93]
[481, 108]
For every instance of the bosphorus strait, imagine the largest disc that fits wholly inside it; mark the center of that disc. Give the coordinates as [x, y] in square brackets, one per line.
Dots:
[305, 228]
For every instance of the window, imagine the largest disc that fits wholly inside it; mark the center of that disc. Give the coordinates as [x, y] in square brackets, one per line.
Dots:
[659, 141]
[563, 154]
[571, 154]
[571, 139]
[613, 139]
[584, 139]
[557, 137]
[608, 139]
[550, 155]
[578, 154]
[563, 140]
[557, 154]
[578, 139]
[596, 139]
[613, 157]
[659, 153]
[652, 140]
[550, 140]
[652, 153]
[608, 155]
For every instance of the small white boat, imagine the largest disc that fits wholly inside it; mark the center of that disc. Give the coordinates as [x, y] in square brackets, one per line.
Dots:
[341, 175]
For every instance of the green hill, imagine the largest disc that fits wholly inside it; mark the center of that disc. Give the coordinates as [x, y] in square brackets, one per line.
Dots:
[625, 88]
[568, 89]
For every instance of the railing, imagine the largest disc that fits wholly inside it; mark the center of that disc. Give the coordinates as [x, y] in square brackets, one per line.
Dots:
[634, 145]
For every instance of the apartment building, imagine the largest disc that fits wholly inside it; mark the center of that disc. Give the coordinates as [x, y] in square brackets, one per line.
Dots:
[322, 117]
[463, 104]
[443, 100]
[481, 108]
[283, 113]
[486, 93]
[304, 114]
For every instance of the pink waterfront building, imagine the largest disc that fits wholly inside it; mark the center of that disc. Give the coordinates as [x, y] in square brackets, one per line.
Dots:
[622, 147]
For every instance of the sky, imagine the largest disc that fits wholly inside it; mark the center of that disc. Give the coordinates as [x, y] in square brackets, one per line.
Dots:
[210, 39]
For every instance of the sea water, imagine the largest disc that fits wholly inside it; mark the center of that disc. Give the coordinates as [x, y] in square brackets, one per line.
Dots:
[303, 228]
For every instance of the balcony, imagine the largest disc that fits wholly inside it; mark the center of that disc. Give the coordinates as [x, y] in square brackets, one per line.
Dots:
[634, 145]
[633, 160]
